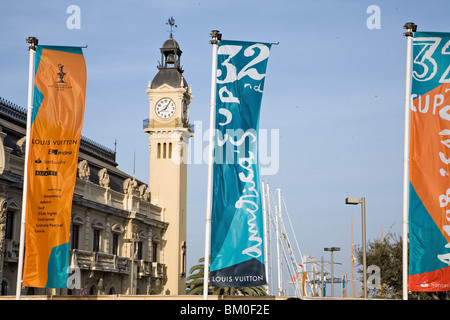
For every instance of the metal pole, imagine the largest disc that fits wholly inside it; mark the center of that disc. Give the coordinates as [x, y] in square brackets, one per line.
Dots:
[279, 262]
[269, 243]
[266, 226]
[32, 48]
[332, 249]
[363, 219]
[332, 275]
[132, 265]
[353, 263]
[216, 36]
[411, 27]
[277, 236]
[321, 277]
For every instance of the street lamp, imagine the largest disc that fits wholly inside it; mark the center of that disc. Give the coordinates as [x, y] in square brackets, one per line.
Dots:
[362, 201]
[134, 238]
[332, 249]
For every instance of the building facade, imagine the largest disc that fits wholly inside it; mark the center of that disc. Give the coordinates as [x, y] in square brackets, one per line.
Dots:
[115, 217]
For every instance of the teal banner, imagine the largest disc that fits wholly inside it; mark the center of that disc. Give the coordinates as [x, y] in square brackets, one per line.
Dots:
[237, 246]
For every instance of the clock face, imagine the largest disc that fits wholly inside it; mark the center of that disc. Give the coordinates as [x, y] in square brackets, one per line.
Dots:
[165, 108]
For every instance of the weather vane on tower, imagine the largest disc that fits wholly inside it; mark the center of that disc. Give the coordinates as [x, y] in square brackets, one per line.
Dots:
[171, 23]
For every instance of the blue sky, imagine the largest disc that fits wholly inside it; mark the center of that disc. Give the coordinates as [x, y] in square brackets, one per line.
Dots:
[334, 89]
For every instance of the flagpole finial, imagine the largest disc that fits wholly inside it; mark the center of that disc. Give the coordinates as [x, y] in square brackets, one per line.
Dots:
[410, 27]
[33, 41]
[216, 36]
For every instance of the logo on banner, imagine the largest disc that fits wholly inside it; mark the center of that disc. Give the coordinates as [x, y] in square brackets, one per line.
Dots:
[60, 85]
[61, 73]
[46, 173]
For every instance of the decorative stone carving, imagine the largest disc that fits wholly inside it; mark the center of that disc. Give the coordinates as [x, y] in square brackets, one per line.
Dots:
[103, 178]
[143, 192]
[3, 206]
[129, 186]
[21, 146]
[83, 170]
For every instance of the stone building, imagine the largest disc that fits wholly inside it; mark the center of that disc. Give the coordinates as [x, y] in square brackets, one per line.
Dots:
[113, 214]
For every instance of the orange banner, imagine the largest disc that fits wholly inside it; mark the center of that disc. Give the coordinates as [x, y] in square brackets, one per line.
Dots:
[57, 119]
[429, 196]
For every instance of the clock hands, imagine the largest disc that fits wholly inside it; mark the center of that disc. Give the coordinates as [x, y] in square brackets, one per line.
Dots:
[167, 105]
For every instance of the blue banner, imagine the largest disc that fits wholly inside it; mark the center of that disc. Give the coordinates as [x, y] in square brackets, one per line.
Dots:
[237, 246]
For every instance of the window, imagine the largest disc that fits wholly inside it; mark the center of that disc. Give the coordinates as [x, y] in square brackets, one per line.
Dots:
[74, 236]
[164, 150]
[139, 250]
[159, 151]
[4, 289]
[183, 259]
[9, 225]
[170, 150]
[155, 252]
[115, 244]
[96, 240]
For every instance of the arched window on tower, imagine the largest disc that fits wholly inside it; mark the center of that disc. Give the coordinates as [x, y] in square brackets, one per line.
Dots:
[183, 258]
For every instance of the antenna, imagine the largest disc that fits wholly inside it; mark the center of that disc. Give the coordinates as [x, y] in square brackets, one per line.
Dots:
[134, 164]
[171, 23]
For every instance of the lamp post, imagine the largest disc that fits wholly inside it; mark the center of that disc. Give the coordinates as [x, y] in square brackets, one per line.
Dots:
[134, 238]
[332, 249]
[362, 201]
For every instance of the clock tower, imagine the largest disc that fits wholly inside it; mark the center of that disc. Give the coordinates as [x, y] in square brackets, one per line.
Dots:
[169, 132]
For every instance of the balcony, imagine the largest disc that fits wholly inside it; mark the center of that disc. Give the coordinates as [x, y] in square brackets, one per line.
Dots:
[149, 124]
[100, 261]
[158, 270]
[11, 250]
[89, 260]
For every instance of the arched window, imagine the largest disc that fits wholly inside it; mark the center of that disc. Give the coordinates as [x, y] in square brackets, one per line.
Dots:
[117, 231]
[97, 227]
[77, 223]
[4, 289]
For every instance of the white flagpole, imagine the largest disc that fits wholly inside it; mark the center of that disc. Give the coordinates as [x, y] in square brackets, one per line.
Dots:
[216, 36]
[265, 227]
[411, 27]
[279, 262]
[269, 245]
[32, 48]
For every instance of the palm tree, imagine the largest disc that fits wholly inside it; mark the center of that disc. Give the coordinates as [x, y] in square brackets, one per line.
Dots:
[194, 285]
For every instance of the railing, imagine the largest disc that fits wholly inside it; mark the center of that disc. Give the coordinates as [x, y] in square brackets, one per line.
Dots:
[90, 260]
[158, 270]
[99, 261]
[146, 123]
[11, 250]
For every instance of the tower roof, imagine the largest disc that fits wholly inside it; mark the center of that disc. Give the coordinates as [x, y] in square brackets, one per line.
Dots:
[170, 71]
[168, 76]
[171, 45]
